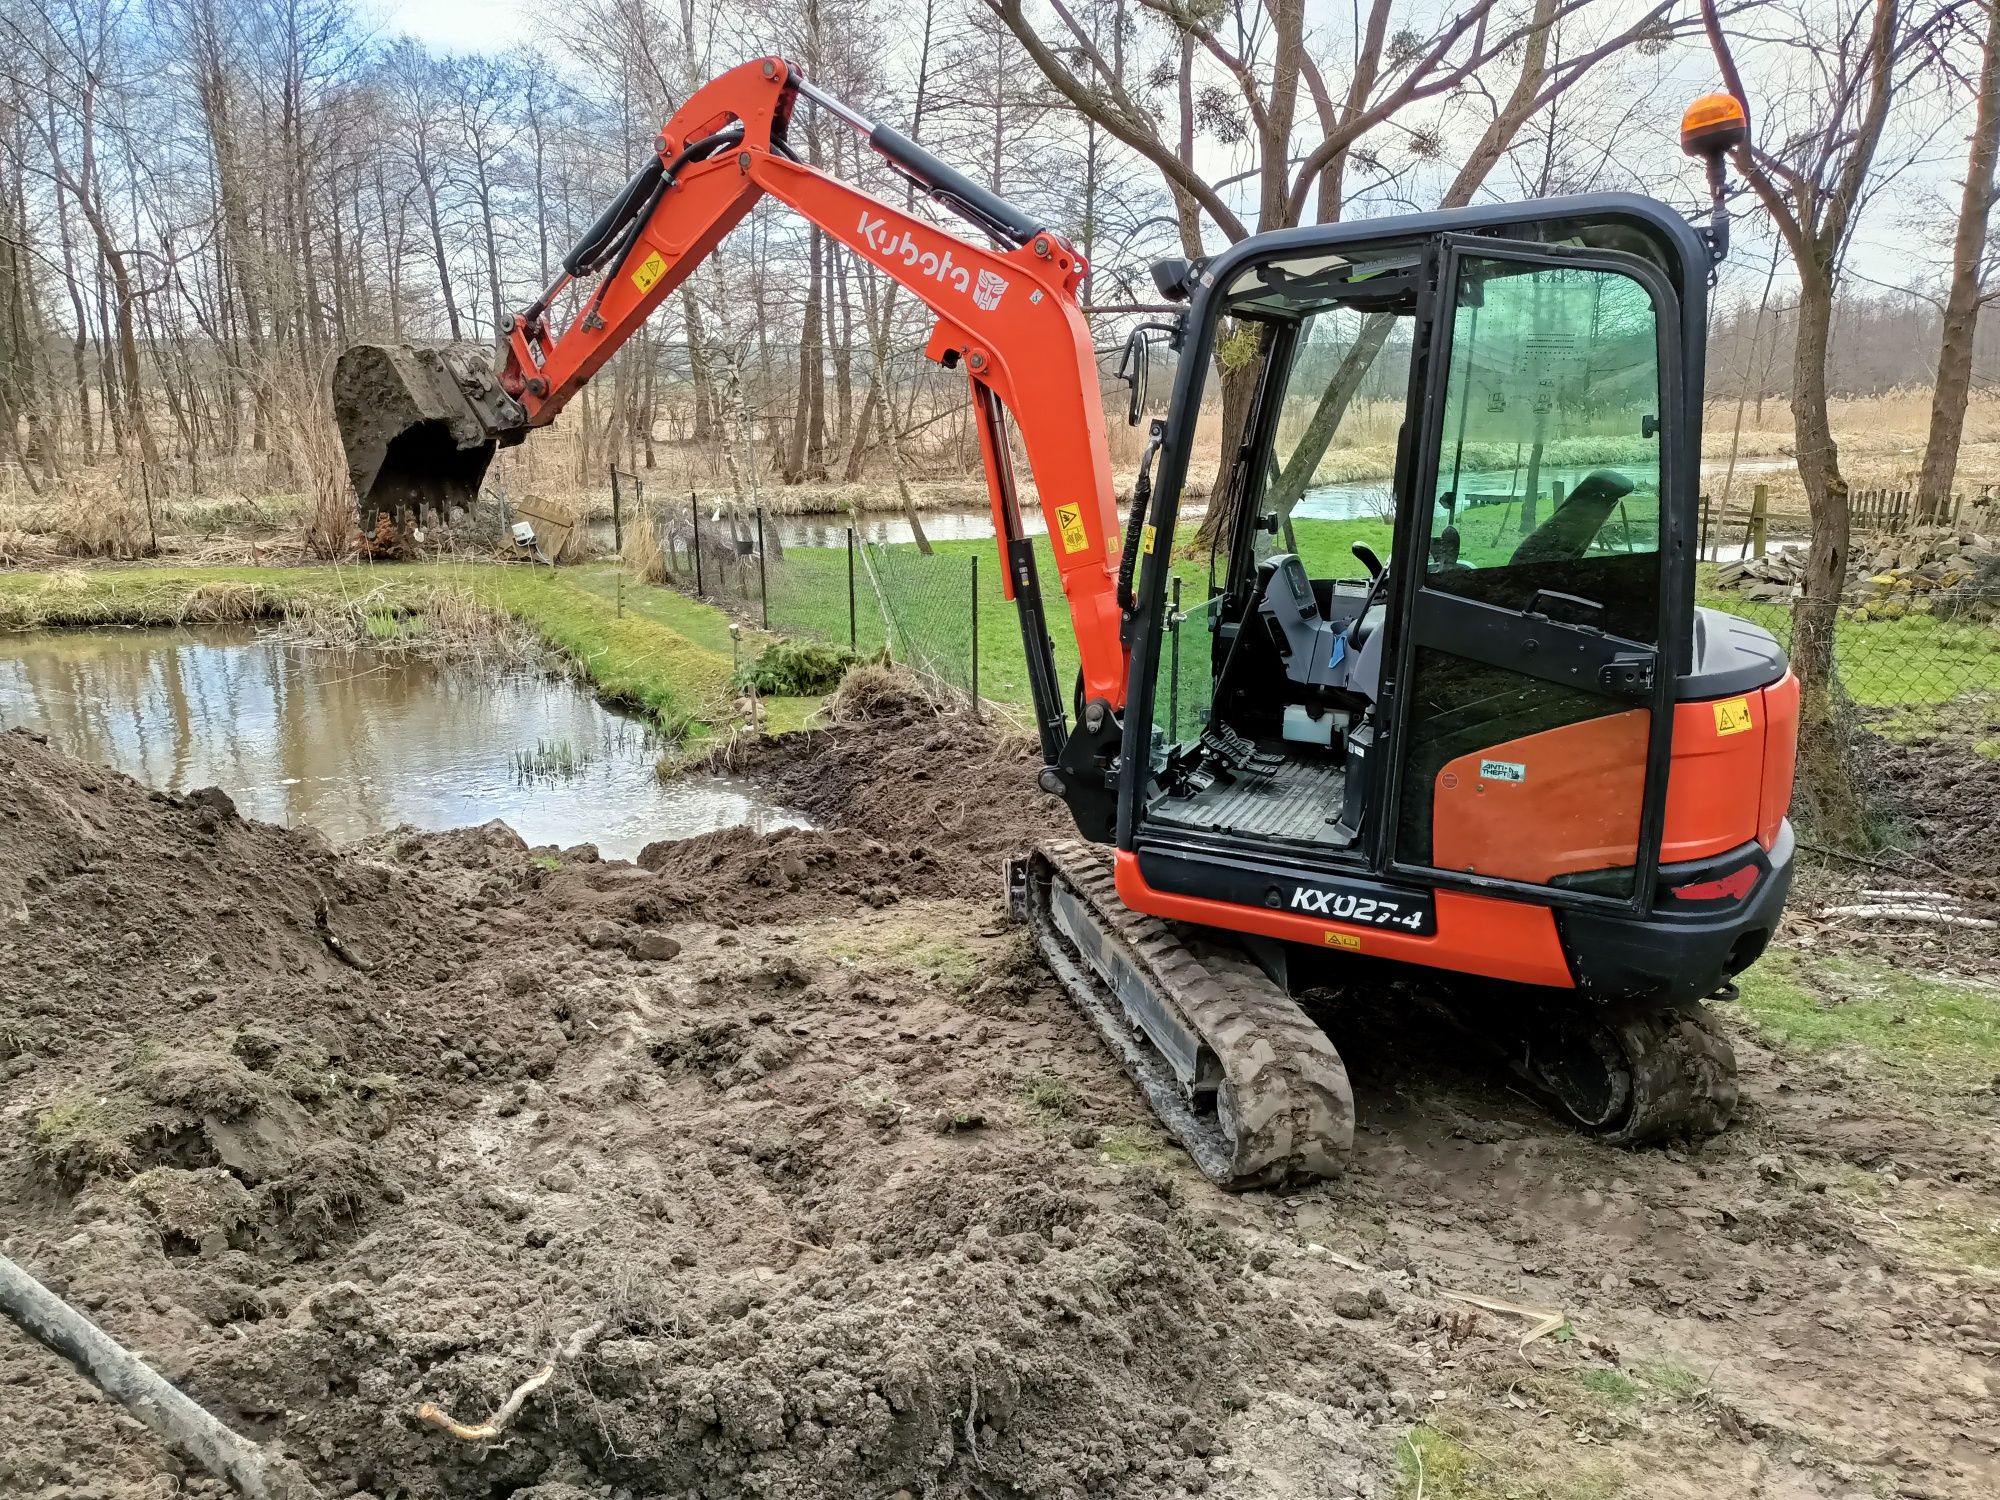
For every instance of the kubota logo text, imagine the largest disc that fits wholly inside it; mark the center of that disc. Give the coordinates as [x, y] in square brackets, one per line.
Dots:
[896, 244]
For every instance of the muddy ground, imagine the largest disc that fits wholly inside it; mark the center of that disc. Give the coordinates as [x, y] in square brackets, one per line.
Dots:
[789, 1155]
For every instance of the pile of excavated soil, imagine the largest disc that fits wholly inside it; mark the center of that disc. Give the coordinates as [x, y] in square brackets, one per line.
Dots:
[783, 1144]
[1938, 789]
[789, 1158]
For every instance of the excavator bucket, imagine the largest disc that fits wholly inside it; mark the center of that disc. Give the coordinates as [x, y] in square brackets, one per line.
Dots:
[420, 424]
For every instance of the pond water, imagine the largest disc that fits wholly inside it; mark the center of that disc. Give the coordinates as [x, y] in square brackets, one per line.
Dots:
[356, 742]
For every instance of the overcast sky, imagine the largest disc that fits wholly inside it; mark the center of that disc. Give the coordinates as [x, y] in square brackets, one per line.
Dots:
[458, 25]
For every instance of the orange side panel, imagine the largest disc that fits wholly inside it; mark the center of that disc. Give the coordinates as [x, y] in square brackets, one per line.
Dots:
[1567, 800]
[1713, 788]
[1781, 753]
[1475, 934]
[1546, 804]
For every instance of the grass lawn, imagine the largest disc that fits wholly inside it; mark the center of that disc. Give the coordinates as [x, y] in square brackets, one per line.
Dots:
[1914, 661]
[1921, 1027]
[1918, 659]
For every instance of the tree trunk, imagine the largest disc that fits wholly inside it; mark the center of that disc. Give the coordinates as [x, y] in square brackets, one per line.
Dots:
[1961, 308]
[1822, 736]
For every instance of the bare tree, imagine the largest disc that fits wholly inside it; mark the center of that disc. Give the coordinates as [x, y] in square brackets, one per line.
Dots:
[1240, 74]
[1813, 171]
[1969, 287]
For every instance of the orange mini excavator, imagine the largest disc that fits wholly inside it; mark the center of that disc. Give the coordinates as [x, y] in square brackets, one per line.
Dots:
[1512, 753]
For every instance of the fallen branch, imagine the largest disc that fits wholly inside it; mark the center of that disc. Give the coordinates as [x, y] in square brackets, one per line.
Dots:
[1935, 915]
[493, 1426]
[252, 1471]
[335, 946]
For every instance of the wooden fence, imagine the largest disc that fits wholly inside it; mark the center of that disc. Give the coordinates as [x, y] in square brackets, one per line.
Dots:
[1868, 510]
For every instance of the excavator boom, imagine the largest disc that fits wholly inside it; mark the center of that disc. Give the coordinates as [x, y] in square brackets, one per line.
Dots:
[421, 425]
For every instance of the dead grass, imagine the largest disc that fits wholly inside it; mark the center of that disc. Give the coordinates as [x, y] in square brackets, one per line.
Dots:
[317, 461]
[642, 556]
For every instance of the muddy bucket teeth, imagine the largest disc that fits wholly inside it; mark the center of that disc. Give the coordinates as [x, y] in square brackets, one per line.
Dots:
[420, 424]
[1231, 1065]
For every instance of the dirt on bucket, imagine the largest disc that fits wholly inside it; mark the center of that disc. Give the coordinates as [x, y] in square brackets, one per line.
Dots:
[788, 1156]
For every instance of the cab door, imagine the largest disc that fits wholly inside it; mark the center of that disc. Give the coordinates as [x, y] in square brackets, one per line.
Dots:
[1538, 576]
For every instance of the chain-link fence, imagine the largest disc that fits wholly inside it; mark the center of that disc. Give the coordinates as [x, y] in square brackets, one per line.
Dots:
[1900, 652]
[1912, 645]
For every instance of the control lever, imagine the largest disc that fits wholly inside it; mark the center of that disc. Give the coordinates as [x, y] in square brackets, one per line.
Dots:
[1368, 559]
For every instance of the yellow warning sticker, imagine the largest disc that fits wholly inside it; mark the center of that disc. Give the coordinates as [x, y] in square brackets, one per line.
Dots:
[1146, 541]
[1069, 528]
[1342, 940]
[1732, 716]
[651, 269]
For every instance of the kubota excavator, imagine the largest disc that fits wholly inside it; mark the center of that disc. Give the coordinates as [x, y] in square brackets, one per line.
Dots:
[1512, 753]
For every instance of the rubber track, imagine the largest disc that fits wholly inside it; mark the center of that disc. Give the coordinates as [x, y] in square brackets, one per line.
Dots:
[1284, 1109]
[1683, 1073]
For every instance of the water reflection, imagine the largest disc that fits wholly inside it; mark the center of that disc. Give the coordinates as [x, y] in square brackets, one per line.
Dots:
[356, 742]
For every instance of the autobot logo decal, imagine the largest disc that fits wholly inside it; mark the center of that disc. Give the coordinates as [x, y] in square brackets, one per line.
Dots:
[989, 290]
[896, 244]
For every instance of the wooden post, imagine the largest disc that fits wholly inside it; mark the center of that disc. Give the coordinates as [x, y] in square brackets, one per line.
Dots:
[694, 517]
[1701, 542]
[1760, 518]
[617, 520]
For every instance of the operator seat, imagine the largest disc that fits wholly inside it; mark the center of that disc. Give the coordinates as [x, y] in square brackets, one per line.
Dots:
[1315, 650]
[1567, 534]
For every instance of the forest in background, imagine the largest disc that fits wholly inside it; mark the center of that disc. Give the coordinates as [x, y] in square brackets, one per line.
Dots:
[204, 201]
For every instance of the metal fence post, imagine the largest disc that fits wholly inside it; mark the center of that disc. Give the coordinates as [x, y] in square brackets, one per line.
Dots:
[1174, 662]
[694, 515]
[853, 632]
[617, 519]
[763, 588]
[975, 635]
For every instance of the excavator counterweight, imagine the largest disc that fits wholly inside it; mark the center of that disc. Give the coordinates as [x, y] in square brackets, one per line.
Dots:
[1455, 762]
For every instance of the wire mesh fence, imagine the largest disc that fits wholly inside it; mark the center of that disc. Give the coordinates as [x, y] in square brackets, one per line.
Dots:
[1906, 646]
[1902, 651]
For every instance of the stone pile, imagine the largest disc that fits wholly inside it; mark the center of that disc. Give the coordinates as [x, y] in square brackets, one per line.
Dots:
[1931, 570]
[1953, 572]
[1771, 579]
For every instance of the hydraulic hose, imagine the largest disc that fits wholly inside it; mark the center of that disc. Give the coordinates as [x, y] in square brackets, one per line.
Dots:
[1135, 524]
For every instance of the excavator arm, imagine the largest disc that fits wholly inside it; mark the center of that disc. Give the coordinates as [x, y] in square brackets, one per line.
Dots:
[421, 425]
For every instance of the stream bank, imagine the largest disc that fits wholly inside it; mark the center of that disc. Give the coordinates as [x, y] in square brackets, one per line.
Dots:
[666, 657]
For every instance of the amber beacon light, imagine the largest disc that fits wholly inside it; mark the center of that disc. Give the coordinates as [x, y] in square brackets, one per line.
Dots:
[1712, 127]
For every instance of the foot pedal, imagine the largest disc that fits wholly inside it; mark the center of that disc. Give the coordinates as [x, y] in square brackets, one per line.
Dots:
[1238, 754]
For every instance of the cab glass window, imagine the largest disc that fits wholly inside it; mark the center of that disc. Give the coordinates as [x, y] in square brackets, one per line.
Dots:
[1548, 480]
